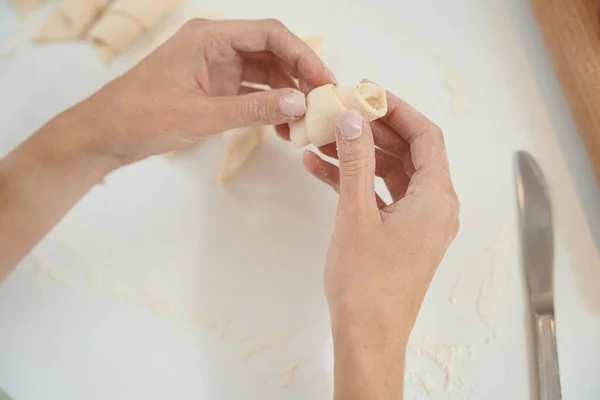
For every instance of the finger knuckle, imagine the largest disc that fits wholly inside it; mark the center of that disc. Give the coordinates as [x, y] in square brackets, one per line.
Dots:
[456, 228]
[452, 210]
[436, 129]
[437, 134]
[252, 110]
[275, 24]
[197, 23]
[446, 203]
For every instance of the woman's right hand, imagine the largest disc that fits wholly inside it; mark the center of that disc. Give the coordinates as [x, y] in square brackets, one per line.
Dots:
[383, 257]
[200, 82]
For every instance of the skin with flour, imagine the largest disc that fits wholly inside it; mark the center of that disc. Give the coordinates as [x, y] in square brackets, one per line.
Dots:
[381, 257]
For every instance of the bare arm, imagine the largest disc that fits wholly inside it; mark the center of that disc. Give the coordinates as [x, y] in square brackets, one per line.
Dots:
[41, 180]
[192, 86]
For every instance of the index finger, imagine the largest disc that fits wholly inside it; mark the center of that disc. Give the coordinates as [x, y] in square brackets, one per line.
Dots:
[273, 36]
[425, 139]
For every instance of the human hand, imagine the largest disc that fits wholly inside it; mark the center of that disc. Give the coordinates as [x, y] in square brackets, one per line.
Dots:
[194, 85]
[383, 257]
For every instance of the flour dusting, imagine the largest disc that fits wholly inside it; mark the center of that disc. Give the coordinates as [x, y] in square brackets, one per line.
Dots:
[433, 367]
[265, 343]
[288, 373]
[453, 82]
[490, 301]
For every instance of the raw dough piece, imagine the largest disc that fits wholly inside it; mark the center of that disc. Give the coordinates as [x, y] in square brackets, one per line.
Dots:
[24, 7]
[71, 20]
[125, 21]
[242, 143]
[324, 104]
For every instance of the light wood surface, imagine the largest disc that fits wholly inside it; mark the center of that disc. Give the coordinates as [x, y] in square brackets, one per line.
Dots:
[571, 31]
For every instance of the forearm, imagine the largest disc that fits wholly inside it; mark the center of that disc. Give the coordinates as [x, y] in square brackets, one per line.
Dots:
[41, 180]
[369, 363]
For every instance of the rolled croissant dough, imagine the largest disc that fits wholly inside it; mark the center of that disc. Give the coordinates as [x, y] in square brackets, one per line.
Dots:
[71, 20]
[325, 103]
[124, 21]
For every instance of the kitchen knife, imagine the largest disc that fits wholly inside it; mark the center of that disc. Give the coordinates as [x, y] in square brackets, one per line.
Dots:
[537, 250]
[4, 396]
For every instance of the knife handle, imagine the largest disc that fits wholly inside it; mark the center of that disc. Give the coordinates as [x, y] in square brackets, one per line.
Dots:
[547, 358]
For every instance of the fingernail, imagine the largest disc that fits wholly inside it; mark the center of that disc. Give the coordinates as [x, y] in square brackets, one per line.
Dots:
[332, 76]
[350, 125]
[293, 104]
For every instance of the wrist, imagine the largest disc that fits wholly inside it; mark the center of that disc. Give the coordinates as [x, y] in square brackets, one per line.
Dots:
[73, 139]
[42, 179]
[369, 370]
[353, 321]
[362, 342]
[369, 356]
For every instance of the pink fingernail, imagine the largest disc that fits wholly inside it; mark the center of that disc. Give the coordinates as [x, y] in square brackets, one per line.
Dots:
[350, 125]
[293, 104]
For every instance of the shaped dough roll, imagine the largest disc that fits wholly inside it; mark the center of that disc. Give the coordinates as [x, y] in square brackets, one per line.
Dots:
[242, 143]
[71, 20]
[325, 103]
[125, 21]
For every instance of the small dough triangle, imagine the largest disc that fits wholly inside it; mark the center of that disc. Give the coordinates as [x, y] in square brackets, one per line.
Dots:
[56, 28]
[242, 143]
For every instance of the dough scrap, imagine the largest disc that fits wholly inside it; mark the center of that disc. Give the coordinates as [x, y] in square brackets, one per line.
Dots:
[25, 7]
[242, 143]
[325, 103]
[71, 20]
[124, 22]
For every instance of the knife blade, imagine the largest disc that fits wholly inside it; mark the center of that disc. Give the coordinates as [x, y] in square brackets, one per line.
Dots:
[537, 252]
[4, 396]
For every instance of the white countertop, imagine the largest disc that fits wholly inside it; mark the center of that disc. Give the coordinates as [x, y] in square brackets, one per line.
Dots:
[163, 284]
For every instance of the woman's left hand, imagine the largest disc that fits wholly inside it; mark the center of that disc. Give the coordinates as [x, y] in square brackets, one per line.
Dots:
[193, 85]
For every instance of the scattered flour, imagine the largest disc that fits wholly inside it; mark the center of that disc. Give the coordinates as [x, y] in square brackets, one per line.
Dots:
[433, 367]
[453, 298]
[265, 343]
[490, 300]
[48, 272]
[288, 373]
[453, 82]
[327, 379]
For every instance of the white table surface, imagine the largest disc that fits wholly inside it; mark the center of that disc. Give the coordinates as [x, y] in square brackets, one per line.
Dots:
[163, 284]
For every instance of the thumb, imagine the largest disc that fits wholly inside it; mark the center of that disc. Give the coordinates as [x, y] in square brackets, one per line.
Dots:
[356, 152]
[267, 107]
